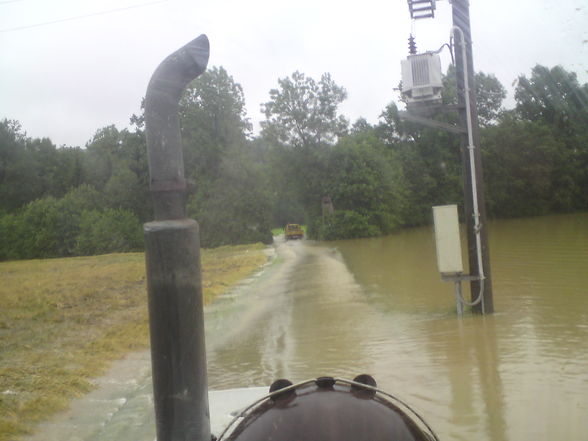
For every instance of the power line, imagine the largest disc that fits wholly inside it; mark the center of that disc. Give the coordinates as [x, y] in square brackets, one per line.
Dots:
[78, 17]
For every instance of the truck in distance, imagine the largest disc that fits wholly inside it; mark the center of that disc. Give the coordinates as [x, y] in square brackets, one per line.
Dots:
[293, 231]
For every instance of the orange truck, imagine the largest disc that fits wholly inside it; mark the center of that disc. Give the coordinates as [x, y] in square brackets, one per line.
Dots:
[293, 231]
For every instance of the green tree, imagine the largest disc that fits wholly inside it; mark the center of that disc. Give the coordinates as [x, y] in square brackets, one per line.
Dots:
[127, 187]
[10, 237]
[34, 168]
[108, 231]
[29, 168]
[116, 164]
[70, 166]
[13, 167]
[520, 158]
[344, 224]
[302, 123]
[490, 94]
[213, 120]
[303, 112]
[430, 161]
[47, 227]
[102, 154]
[430, 158]
[238, 209]
[229, 195]
[556, 98]
[365, 177]
[38, 228]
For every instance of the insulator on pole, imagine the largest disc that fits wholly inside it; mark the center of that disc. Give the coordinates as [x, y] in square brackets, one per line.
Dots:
[412, 49]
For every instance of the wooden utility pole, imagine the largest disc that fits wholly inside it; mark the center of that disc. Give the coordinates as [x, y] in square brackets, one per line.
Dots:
[461, 19]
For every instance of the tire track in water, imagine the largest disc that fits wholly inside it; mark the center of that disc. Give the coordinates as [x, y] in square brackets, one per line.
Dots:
[302, 318]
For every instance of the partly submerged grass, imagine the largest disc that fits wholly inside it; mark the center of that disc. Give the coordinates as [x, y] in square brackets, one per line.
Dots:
[62, 321]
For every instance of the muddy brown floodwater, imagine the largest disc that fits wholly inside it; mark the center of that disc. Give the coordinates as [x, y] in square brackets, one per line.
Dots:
[378, 306]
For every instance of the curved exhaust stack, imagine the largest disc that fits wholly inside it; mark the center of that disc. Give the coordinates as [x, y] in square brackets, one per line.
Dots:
[166, 165]
[172, 254]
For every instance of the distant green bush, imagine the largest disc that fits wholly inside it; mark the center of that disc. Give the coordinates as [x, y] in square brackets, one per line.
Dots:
[344, 224]
[108, 231]
[36, 232]
[8, 237]
[69, 226]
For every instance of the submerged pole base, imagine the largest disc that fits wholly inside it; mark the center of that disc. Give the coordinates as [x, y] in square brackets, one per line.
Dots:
[458, 296]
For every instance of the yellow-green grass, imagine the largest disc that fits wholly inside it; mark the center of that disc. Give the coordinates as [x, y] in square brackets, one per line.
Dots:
[62, 321]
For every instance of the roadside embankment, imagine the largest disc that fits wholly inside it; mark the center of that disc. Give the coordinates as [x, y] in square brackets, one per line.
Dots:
[63, 321]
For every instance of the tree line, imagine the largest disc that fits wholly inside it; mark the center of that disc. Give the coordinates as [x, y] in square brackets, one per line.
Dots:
[379, 177]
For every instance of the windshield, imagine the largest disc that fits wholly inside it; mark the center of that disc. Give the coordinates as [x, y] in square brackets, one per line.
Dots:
[351, 120]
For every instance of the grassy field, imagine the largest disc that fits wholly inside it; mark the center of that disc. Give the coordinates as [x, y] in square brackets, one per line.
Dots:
[62, 321]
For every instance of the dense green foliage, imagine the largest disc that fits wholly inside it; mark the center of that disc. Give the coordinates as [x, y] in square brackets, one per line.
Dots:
[303, 113]
[229, 198]
[74, 201]
[69, 226]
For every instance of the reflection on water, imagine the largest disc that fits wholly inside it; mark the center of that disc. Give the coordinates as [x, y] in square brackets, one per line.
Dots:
[378, 306]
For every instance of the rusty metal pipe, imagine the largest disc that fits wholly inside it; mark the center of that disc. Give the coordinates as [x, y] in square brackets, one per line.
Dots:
[172, 254]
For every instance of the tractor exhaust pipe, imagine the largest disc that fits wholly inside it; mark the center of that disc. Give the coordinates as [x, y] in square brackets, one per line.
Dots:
[172, 254]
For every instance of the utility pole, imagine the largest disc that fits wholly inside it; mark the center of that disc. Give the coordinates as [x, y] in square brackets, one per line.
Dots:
[461, 20]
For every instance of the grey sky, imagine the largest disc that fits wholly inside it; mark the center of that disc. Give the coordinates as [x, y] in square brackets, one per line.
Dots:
[68, 79]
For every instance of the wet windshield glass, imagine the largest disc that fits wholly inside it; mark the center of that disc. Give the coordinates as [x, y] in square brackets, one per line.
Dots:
[272, 195]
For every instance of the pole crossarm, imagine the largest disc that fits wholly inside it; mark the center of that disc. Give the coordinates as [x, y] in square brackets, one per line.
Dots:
[431, 123]
[421, 9]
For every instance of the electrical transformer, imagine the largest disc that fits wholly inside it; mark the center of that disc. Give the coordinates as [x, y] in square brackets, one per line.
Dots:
[421, 79]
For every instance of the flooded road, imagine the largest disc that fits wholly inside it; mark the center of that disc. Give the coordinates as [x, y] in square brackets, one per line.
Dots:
[378, 306]
[296, 321]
